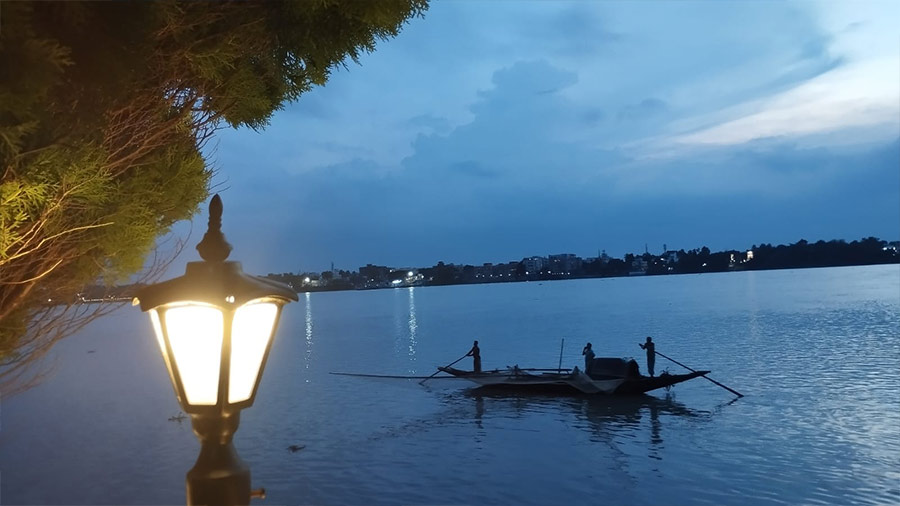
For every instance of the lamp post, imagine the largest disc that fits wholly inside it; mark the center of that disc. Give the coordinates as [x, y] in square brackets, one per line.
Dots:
[214, 326]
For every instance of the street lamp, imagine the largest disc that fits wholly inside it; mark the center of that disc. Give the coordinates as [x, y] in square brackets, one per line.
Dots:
[214, 326]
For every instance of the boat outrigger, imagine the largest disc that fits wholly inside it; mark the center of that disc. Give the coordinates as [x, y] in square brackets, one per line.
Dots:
[611, 376]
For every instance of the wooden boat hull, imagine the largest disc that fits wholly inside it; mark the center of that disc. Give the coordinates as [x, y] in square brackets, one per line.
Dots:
[645, 384]
[575, 382]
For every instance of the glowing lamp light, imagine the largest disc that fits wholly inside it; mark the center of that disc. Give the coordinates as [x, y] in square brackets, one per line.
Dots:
[215, 354]
[214, 327]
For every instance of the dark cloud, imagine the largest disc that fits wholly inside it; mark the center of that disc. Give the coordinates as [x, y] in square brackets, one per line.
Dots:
[577, 30]
[526, 78]
[592, 116]
[345, 148]
[473, 169]
[434, 123]
[645, 109]
[313, 105]
[512, 133]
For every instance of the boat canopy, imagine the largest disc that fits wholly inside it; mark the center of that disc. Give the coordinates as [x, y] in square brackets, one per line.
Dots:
[614, 367]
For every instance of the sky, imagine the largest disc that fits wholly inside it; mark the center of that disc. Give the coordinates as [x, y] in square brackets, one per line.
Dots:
[492, 131]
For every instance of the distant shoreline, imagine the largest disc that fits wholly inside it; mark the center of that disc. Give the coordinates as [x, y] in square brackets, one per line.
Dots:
[765, 257]
[571, 278]
[800, 255]
[128, 298]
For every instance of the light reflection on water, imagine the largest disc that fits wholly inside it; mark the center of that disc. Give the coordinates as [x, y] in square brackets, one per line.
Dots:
[405, 329]
[309, 329]
[815, 351]
[412, 330]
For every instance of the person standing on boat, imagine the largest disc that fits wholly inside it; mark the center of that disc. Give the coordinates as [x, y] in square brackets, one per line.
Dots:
[475, 353]
[651, 353]
[588, 353]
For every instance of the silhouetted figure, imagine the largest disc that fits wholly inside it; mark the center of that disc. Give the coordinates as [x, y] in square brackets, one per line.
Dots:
[475, 353]
[651, 354]
[588, 353]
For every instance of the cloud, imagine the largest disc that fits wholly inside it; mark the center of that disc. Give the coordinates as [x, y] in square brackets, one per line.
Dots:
[430, 122]
[567, 30]
[774, 192]
[777, 169]
[844, 76]
[473, 169]
[514, 182]
[515, 131]
[490, 131]
[645, 109]
[857, 95]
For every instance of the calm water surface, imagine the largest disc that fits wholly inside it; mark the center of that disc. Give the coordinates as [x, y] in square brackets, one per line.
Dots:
[816, 352]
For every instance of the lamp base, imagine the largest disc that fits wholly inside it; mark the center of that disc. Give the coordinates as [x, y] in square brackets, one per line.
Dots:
[219, 477]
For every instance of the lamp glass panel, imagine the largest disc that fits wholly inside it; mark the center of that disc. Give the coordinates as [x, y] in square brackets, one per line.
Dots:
[157, 329]
[250, 334]
[195, 335]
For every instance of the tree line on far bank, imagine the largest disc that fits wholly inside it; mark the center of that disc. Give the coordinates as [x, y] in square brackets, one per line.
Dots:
[799, 255]
[802, 254]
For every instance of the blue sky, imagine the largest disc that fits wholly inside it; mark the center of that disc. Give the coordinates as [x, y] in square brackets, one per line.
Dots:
[490, 131]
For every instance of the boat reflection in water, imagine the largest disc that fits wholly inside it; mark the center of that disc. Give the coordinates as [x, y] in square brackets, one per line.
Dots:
[606, 419]
[597, 409]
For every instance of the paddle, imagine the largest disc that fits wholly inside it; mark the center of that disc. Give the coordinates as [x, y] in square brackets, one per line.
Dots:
[561, 344]
[439, 371]
[735, 392]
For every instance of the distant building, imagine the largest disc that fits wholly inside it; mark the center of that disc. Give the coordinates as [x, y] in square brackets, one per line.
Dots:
[375, 273]
[564, 264]
[505, 271]
[601, 257]
[534, 265]
[638, 267]
[485, 272]
[405, 277]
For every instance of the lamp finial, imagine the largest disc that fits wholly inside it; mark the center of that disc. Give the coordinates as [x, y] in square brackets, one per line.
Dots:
[213, 247]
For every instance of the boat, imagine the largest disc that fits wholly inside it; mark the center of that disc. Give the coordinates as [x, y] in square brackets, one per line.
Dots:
[609, 376]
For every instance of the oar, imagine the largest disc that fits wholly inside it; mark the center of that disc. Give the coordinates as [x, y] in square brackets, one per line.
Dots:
[439, 370]
[561, 344]
[735, 392]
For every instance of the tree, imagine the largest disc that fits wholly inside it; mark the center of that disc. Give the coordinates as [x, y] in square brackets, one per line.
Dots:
[104, 111]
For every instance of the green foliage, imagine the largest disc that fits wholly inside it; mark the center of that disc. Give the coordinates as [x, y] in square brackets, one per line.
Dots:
[105, 108]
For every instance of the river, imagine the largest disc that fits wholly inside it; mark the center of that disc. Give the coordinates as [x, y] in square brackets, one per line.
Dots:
[815, 351]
